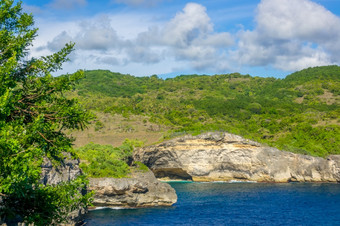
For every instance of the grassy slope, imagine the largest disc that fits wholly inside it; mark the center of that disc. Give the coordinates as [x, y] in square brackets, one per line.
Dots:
[114, 129]
[299, 113]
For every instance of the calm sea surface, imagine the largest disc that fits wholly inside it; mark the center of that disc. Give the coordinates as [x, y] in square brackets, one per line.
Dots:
[235, 204]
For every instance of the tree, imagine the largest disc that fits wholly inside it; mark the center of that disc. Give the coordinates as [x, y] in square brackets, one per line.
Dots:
[33, 115]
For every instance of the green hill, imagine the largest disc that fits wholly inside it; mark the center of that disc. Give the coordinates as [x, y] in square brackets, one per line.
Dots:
[299, 113]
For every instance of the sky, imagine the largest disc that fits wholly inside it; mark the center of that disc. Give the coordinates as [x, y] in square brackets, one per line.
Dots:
[173, 37]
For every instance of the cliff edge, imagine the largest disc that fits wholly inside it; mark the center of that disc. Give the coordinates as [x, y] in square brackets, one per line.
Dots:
[224, 157]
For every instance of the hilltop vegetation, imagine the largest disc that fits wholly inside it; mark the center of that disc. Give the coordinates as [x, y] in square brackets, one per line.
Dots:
[299, 113]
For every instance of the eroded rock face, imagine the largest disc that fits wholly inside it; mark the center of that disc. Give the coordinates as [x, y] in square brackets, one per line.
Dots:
[224, 156]
[141, 190]
[67, 171]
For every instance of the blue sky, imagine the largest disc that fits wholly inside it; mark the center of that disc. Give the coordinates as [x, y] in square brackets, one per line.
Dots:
[173, 37]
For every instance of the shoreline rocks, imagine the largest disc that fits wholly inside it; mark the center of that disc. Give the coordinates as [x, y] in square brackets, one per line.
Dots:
[141, 190]
[225, 157]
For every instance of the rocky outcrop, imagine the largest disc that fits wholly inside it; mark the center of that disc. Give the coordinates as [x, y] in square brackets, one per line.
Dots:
[67, 171]
[141, 190]
[224, 157]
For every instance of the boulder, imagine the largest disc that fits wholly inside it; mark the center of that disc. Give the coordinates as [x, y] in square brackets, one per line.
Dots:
[141, 190]
[224, 157]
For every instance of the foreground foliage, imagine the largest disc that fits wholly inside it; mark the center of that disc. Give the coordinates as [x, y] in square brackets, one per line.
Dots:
[299, 113]
[33, 114]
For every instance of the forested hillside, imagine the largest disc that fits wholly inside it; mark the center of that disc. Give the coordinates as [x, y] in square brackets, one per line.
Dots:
[299, 113]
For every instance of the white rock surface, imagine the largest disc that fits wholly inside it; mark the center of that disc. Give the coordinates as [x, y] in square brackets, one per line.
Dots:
[141, 190]
[224, 157]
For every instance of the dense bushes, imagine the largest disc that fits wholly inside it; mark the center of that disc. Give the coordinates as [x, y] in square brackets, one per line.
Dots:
[106, 160]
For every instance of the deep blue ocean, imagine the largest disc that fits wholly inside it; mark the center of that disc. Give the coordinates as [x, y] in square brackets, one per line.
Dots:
[235, 204]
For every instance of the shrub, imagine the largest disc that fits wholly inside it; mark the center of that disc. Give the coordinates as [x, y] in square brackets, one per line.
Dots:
[106, 160]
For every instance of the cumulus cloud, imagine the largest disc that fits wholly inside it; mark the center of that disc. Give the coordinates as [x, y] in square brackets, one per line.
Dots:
[98, 35]
[108, 60]
[147, 3]
[141, 54]
[189, 36]
[91, 35]
[59, 41]
[36, 10]
[67, 4]
[290, 35]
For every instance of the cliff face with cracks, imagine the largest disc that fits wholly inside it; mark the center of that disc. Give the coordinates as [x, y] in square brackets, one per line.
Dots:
[67, 171]
[224, 157]
[142, 189]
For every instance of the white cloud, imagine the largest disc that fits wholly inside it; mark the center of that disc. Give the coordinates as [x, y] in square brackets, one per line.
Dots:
[145, 3]
[95, 34]
[145, 55]
[67, 4]
[108, 60]
[188, 37]
[59, 41]
[311, 58]
[290, 35]
[291, 19]
[36, 10]
[187, 26]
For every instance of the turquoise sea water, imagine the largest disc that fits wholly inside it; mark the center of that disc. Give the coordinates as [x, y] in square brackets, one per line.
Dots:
[235, 204]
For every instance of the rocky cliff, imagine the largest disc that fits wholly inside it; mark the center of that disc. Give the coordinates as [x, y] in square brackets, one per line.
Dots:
[67, 171]
[141, 190]
[224, 157]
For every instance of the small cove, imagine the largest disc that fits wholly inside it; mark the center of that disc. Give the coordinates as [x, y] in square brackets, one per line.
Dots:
[235, 204]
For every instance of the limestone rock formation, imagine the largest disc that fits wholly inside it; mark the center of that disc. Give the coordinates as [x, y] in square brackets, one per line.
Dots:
[224, 157]
[141, 190]
[67, 171]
